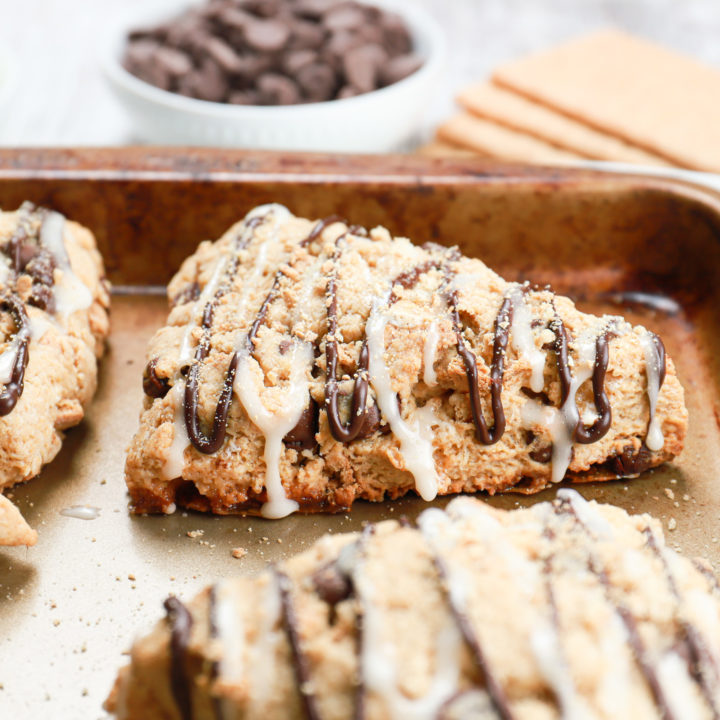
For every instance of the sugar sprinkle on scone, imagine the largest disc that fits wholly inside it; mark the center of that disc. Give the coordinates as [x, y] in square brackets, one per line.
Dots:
[53, 323]
[306, 364]
[568, 609]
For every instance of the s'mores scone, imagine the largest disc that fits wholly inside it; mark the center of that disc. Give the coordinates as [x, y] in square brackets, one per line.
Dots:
[567, 609]
[306, 364]
[53, 325]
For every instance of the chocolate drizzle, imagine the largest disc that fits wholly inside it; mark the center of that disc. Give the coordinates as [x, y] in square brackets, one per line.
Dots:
[637, 645]
[300, 660]
[341, 431]
[589, 434]
[14, 388]
[181, 622]
[701, 662]
[495, 692]
[485, 435]
[211, 443]
[203, 442]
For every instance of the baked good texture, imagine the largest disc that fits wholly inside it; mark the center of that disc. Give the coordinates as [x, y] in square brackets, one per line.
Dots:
[307, 364]
[567, 609]
[53, 324]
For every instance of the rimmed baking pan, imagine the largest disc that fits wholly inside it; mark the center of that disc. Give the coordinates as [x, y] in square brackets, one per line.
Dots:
[645, 247]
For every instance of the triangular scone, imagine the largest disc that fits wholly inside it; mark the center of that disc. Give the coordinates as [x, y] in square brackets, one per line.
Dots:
[567, 609]
[306, 364]
[13, 528]
[53, 325]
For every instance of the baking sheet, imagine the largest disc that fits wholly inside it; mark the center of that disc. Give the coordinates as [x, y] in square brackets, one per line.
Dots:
[71, 605]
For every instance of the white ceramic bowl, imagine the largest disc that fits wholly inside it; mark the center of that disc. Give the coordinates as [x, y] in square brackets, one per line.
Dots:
[378, 121]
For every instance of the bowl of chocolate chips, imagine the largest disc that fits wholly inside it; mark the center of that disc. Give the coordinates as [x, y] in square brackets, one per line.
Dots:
[317, 75]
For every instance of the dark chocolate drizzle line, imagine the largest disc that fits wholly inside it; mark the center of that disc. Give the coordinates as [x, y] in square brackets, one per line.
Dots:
[485, 435]
[637, 645]
[180, 626]
[214, 665]
[211, 443]
[207, 443]
[14, 389]
[301, 664]
[359, 709]
[592, 433]
[582, 433]
[701, 663]
[495, 692]
[662, 364]
[358, 408]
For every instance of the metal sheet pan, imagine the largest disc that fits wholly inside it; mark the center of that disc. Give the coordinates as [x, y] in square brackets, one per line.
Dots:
[70, 606]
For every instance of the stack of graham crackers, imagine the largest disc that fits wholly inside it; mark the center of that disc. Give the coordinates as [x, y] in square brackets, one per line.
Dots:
[606, 96]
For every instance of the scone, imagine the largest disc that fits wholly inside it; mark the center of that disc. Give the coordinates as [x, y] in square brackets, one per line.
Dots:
[568, 609]
[306, 364]
[54, 321]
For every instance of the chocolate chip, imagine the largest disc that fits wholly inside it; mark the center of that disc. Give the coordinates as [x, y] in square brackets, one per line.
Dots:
[277, 89]
[344, 17]
[631, 461]
[273, 52]
[314, 9]
[244, 97]
[305, 36]
[331, 584]
[302, 436]
[399, 68]
[223, 55]
[295, 60]
[174, 62]
[362, 66]
[348, 91]
[154, 386]
[317, 81]
[266, 35]
[542, 454]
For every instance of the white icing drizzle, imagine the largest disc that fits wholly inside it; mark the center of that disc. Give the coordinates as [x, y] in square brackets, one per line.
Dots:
[546, 647]
[679, 690]
[8, 356]
[545, 639]
[654, 439]
[379, 666]
[587, 513]
[232, 640]
[553, 420]
[432, 335]
[70, 292]
[615, 690]
[175, 458]
[560, 423]
[275, 425]
[81, 512]
[175, 462]
[523, 341]
[4, 269]
[582, 371]
[416, 446]
[262, 652]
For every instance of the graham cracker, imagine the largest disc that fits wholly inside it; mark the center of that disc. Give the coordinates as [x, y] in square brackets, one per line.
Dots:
[441, 148]
[519, 113]
[628, 87]
[496, 141]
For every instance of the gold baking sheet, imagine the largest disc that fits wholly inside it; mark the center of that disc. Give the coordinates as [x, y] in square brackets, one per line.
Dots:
[71, 605]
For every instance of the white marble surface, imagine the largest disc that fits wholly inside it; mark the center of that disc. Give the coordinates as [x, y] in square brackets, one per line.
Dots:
[58, 96]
